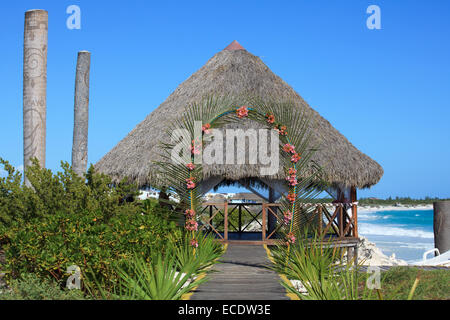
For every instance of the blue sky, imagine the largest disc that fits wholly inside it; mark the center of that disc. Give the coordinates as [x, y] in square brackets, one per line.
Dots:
[387, 91]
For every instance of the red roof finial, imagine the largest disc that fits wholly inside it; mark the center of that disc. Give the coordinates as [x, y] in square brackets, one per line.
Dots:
[234, 46]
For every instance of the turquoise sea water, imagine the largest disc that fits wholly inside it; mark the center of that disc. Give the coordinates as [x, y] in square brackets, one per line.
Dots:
[408, 234]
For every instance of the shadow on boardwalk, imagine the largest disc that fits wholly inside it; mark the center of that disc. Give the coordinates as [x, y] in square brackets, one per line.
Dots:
[242, 274]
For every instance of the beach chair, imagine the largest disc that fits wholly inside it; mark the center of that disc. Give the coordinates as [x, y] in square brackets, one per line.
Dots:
[438, 260]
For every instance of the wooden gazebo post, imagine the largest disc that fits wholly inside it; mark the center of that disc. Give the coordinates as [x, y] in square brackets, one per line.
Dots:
[352, 252]
[271, 219]
[353, 199]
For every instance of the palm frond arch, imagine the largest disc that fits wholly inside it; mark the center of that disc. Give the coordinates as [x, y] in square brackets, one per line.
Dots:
[303, 175]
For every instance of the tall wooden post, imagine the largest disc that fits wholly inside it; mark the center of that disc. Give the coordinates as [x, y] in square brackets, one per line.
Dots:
[441, 225]
[320, 219]
[353, 252]
[264, 221]
[353, 199]
[81, 114]
[35, 42]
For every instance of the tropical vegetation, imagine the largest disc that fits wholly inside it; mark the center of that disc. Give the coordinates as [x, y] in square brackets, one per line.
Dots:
[64, 220]
[325, 274]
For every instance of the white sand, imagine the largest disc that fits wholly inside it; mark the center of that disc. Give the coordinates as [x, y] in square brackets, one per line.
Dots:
[370, 255]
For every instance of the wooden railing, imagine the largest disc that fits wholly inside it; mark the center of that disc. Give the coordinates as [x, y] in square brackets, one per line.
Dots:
[337, 221]
[213, 209]
[270, 210]
[331, 220]
[242, 209]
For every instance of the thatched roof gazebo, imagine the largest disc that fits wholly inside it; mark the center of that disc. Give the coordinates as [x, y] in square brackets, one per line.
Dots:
[236, 72]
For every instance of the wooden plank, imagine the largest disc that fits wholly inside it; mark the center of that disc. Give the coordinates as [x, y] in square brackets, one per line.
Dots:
[243, 242]
[264, 222]
[242, 274]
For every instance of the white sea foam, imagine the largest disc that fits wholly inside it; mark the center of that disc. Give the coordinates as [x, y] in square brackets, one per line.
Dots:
[367, 216]
[369, 209]
[371, 216]
[407, 245]
[383, 230]
[421, 246]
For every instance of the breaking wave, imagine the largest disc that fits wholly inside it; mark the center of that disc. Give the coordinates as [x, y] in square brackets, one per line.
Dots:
[385, 230]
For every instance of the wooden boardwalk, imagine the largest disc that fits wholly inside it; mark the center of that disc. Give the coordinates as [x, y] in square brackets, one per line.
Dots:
[242, 274]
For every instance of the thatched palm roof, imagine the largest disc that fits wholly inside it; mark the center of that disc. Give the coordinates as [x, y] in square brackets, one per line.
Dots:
[235, 72]
[247, 196]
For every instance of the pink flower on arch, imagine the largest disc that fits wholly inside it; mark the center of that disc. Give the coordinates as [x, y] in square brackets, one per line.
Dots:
[190, 184]
[295, 157]
[292, 171]
[289, 148]
[292, 180]
[270, 118]
[287, 217]
[191, 225]
[291, 197]
[189, 213]
[242, 112]
[281, 130]
[190, 166]
[206, 127]
[194, 243]
[290, 238]
[196, 147]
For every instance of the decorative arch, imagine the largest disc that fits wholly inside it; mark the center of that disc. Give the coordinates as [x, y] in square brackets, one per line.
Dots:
[294, 149]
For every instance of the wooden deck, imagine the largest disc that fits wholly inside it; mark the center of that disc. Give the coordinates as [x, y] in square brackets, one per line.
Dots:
[242, 274]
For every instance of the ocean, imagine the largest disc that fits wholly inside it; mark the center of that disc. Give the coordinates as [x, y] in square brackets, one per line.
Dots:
[407, 234]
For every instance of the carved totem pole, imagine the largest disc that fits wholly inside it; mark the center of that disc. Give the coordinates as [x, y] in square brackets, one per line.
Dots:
[34, 86]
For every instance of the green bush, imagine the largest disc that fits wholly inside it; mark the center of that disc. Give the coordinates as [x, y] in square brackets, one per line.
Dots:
[64, 191]
[155, 280]
[324, 275]
[12, 197]
[165, 275]
[65, 220]
[47, 246]
[30, 287]
[206, 254]
[313, 263]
